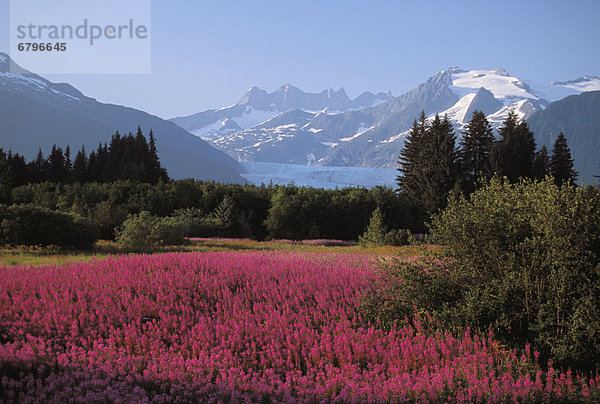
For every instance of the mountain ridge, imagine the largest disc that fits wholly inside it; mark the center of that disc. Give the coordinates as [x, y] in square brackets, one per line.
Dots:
[373, 135]
[37, 113]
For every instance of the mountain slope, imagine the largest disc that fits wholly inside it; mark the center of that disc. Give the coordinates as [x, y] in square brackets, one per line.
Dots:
[37, 113]
[578, 117]
[343, 133]
[257, 106]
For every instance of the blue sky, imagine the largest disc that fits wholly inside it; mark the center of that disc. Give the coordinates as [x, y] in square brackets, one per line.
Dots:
[207, 54]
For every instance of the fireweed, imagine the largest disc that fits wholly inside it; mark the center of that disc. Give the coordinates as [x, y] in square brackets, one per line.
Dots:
[237, 326]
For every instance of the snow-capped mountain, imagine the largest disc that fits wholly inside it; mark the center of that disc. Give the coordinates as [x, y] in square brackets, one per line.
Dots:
[257, 106]
[36, 113]
[328, 129]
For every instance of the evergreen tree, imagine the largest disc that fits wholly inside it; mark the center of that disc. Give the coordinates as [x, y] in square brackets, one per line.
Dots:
[56, 161]
[225, 213]
[561, 163]
[38, 168]
[439, 164]
[513, 155]
[79, 171]
[68, 164]
[155, 171]
[6, 181]
[410, 161]
[115, 150]
[376, 232]
[476, 145]
[18, 167]
[541, 164]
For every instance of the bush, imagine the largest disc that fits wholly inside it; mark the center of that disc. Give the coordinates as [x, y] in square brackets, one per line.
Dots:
[523, 260]
[376, 233]
[29, 225]
[144, 231]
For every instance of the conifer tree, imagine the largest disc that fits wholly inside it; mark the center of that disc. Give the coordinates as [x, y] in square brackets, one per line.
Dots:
[56, 162]
[376, 232]
[439, 164]
[561, 163]
[541, 164]
[225, 213]
[6, 182]
[514, 154]
[429, 164]
[410, 161]
[18, 168]
[39, 168]
[79, 171]
[68, 164]
[476, 145]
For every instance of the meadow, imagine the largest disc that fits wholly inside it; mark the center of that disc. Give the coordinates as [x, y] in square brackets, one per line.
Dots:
[277, 322]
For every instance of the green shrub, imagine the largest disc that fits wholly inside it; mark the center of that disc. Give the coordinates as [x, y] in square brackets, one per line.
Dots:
[144, 232]
[29, 225]
[520, 259]
[376, 233]
[398, 237]
[169, 231]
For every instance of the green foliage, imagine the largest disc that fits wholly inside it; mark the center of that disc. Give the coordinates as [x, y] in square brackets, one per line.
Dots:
[144, 232]
[29, 225]
[229, 220]
[476, 145]
[561, 163]
[513, 156]
[523, 260]
[377, 234]
[541, 164]
[429, 164]
[277, 211]
[125, 158]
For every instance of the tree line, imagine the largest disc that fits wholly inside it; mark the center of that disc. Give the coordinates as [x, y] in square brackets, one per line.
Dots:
[125, 157]
[433, 166]
[230, 210]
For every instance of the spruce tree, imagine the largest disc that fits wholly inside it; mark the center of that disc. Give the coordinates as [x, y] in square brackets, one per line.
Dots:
[57, 165]
[68, 164]
[541, 164]
[376, 232]
[410, 161]
[476, 145]
[225, 213]
[6, 181]
[79, 172]
[39, 169]
[18, 166]
[439, 164]
[561, 163]
[514, 154]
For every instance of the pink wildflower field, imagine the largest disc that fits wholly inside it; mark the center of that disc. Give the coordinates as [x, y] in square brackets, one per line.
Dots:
[240, 327]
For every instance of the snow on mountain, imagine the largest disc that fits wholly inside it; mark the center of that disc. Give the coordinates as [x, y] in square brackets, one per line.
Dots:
[257, 106]
[36, 113]
[582, 84]
[495, 92]
[329, 129]
[361, 131]
[497, 81]
[550, 92]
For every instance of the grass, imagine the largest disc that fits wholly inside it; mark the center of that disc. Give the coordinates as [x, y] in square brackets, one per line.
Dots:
[24, 255]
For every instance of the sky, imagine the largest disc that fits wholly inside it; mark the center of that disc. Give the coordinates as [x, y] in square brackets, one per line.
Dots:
[206, 54]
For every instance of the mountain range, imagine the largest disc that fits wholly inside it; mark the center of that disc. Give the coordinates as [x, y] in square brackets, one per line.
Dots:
[36, 113]
[290, 126]
[330, 129]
